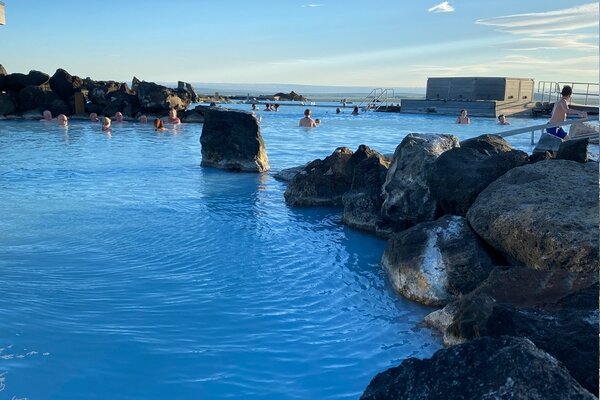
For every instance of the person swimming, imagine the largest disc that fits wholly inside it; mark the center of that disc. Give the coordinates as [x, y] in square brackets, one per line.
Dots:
[502, 120]
[119, 116]
[94, 117]
[143, 119]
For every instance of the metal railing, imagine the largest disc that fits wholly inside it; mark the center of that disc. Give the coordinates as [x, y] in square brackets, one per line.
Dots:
[582, 92]
[377, 98]
[540, 127]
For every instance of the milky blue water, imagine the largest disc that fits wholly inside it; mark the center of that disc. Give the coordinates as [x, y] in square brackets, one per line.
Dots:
[128, 271]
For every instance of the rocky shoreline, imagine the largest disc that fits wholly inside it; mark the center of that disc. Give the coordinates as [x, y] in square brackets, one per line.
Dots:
[504, 243]
[26, 96]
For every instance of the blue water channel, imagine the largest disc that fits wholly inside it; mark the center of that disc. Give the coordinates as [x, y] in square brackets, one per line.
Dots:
[127, 271]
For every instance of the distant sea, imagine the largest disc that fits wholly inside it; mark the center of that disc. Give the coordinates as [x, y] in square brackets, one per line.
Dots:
[312, 92]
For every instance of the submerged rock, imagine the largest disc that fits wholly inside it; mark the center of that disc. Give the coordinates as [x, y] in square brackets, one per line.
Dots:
[542, 215]
[434, 262]
[287, 174]
[232, 140]
[407, 198]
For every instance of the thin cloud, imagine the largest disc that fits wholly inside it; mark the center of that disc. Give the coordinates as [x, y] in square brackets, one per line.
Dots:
[442, 7]
[311, 5]
[584, 16]
[526, 65]
[553, 42]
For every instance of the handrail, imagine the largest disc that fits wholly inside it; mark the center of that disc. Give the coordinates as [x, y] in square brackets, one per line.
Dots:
[375, 97]
[555, 88]
[541, 127]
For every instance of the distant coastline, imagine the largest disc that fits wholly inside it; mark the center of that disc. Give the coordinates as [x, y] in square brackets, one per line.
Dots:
[314, 92]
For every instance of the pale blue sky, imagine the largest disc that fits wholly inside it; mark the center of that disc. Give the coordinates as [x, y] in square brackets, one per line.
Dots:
[390, 43]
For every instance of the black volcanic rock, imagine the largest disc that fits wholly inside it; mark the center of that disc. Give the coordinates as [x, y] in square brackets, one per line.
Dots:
[487, 368]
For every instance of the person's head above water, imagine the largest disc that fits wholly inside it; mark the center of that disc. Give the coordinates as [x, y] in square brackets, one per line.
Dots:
[307, 112]
[47, 115]
[62, 120]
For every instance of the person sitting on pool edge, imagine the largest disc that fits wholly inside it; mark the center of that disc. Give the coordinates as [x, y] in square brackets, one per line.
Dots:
[307, 121]
[463, 118]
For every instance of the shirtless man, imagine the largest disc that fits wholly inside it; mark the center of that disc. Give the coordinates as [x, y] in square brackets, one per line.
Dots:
[307, 121]
[560, 111]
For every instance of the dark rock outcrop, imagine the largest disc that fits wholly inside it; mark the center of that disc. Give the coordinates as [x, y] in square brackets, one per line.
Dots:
[434, 262]
[574, 150]
[157, 98]
[42, 98]
[460, 174]
[18, 81]
[187, 92]
[407, 198]
[8, 105]
[557, 310]
[121, 100]
[64, 84]
[232, 140]
[362, 203]
[542, 215]
[98, 90]
[322, 182]
[486, 368]
[291, 96]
